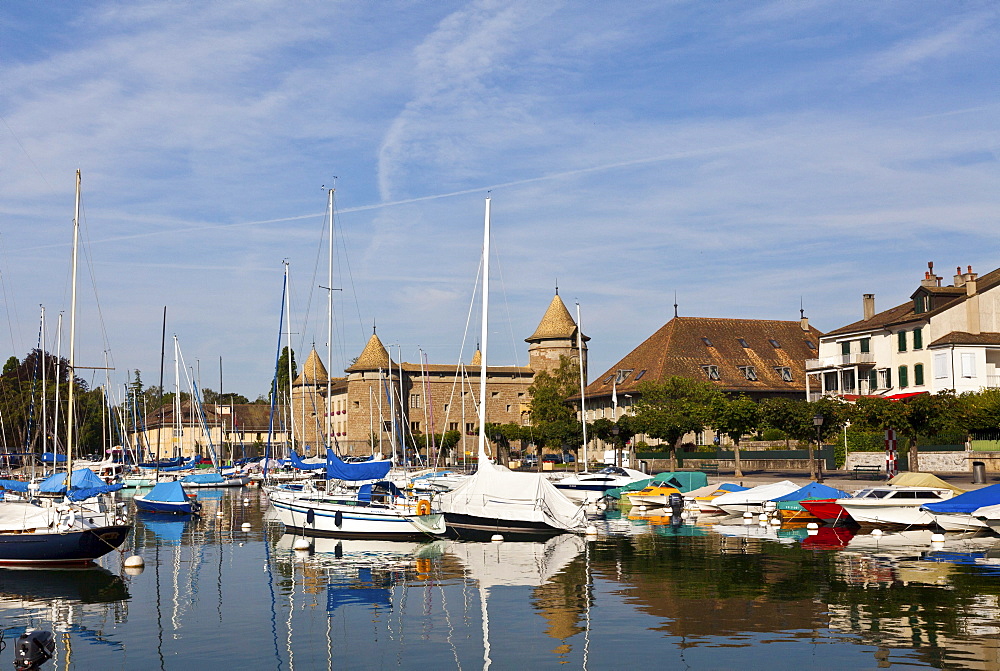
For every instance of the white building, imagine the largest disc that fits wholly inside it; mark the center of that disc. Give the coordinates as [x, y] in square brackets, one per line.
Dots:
[944, 337]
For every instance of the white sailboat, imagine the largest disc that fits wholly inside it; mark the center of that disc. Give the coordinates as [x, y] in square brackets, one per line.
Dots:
[496, 499]
[71, 518]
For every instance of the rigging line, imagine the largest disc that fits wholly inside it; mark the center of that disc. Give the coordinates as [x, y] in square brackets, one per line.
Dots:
[89, 262]
[506, 303]
[8, 300]
[21, 145]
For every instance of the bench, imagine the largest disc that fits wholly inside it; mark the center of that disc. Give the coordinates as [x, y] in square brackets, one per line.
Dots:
[869, 472]
[709, 469]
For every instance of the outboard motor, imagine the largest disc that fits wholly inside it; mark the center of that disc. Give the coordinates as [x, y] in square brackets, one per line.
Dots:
[34, 648]
[676, 503]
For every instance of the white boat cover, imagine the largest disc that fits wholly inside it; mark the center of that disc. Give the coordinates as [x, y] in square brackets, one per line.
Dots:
[518, 563]
[756, 494]
[497, 493]
[21, 515]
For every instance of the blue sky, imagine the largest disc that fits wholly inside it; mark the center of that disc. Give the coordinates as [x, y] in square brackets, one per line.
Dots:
[743, 155]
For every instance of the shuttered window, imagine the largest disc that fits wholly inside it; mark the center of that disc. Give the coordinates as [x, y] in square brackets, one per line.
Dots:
[968, 364]
[941, 366]
[918, 339]
[901, 337]
[918, 375]
[903, 378]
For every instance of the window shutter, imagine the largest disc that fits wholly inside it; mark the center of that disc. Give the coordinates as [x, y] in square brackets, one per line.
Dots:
[901, 337]
[845, 347]
[968, 364]
[872, 380]
[918, 375]
[903, 377]
[866, 344]
[918, 339]
[940, 365]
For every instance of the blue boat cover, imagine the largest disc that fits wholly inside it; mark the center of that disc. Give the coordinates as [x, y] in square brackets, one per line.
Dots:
[814, 490]
[190, 463]
[383, 487]
[87, 492]
[164, 463]
[83, 478]
[204, 479]
[14, 485]
[166, 492]
[967, 502]
[303, 466]
[52, 457]
[366, 470]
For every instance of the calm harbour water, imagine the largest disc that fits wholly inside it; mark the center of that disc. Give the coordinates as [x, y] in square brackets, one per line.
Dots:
[643, 594]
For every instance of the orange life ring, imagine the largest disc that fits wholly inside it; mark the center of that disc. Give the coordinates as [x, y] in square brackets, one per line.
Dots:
[423, 507]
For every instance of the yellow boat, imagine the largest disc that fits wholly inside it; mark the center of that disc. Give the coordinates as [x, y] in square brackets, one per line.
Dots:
[654, 494]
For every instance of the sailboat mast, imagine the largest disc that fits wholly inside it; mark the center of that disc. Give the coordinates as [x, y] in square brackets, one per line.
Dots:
[328, 428]
[45, 399]
[288, 341]
[178, 418]
[72, 341]
[484, 334]
[583, 384]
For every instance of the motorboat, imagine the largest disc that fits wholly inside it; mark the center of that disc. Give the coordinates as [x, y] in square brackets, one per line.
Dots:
[827, 511]
[702, 500]
[892, 505]
[791, 507]
[752, 500]
[960, 513]
[587, 487]
[213, 480]
[653, 494]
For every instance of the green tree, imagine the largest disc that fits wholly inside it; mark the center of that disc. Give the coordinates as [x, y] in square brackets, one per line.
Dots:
[735, 417]
[282, 372]
[553, 419]
[922, 415]
[670, 409]
[618, 433]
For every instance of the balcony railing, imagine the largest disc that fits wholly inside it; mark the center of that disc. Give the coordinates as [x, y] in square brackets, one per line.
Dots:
[993, 381]
[840, 360]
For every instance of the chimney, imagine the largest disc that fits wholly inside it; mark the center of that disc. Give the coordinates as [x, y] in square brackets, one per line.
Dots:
[930, 279]
[869, 303]
[959, 277]
[804, 323]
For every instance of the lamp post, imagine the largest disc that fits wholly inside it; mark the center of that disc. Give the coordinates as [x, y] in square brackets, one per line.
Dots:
[816, 468]
[618, 454]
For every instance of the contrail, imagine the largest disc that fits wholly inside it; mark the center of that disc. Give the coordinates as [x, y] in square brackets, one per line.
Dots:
[438, 196]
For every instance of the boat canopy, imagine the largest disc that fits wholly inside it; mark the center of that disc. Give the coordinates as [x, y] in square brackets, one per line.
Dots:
[166, 492]
[83, 485]
[14, 485]
[383, 487]
[336, 469]
[967, 502]
[709, 490]
[923, 480]
[190, 463]
[497, 493]
[52, 458]
[165, 463]
[298, 463]
[685, 481]
[756, 495]
[814, 490]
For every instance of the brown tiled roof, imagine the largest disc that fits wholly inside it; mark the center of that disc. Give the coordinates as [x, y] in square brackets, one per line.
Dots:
[679, 348]
[556, 323]
[373, 357]
[963, 338]
[903, 314]
[249, 417]
[313, 371]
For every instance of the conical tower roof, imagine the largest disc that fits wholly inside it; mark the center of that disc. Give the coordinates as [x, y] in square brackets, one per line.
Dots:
[477, 359]
[373, 357]
[557, 323]
[313, 371]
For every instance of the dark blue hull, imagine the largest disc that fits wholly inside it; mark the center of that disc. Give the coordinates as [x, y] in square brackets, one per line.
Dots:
[56, 549]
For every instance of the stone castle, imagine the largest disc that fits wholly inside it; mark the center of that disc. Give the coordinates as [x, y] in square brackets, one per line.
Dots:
[379, 397]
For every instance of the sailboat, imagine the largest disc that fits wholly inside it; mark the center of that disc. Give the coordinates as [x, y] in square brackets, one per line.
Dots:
[496, 499]
[376, 508]
[70, 518]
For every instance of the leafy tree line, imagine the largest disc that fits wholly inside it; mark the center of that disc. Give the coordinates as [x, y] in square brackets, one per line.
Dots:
[670, 409]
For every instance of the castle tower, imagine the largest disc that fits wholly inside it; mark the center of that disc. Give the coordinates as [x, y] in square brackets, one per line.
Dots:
[309, 405]
[555, 337]
[369, 410]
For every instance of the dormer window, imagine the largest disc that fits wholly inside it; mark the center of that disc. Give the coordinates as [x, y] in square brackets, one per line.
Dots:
[708, 343]
[711, 371]
[608, 379]
[622, 374]
[638, 376]
[743, 343]
[784, 372]
[920, 305]
[749, 372]
[810, 344]
[774, 343]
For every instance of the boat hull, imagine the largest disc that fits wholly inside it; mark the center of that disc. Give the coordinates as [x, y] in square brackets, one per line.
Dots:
[474, 527]
[73, 548]
[827, 510]
[176, 508]
[317, 517]
[876, 514]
